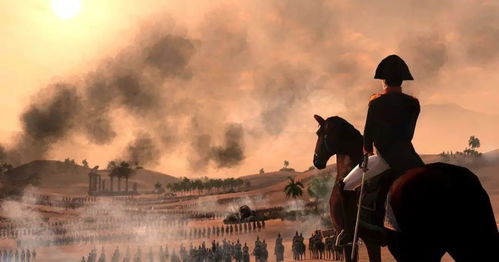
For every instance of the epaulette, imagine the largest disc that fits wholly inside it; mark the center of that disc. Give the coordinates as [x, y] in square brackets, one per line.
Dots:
[375, 96]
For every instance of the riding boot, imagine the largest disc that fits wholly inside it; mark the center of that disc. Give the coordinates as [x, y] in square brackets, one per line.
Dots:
[375, 194]
[349, 215]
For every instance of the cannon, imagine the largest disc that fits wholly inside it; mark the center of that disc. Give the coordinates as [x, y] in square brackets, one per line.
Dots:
[245, 214]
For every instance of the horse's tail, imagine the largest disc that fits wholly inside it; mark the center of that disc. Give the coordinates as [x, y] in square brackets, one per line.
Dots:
[446, 206]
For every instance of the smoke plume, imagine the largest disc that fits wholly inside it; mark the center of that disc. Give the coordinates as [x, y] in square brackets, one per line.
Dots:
[232, 152]
[185, 87]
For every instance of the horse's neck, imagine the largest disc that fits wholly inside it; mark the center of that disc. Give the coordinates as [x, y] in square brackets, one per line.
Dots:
[344, 164]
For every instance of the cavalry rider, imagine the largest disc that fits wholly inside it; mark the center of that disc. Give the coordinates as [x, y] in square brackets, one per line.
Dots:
[390, 124]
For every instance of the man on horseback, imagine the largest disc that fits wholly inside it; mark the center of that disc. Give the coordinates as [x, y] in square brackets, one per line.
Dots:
[391, 118]
[390, 125]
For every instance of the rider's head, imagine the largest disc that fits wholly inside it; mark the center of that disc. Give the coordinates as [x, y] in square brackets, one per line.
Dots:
[393, 71]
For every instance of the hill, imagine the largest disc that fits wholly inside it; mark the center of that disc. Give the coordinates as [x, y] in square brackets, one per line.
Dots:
[259, 181]
[61, 178]
[450, 126]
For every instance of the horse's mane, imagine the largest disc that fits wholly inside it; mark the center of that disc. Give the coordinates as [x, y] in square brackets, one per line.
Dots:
[347, 138]
[346, 128]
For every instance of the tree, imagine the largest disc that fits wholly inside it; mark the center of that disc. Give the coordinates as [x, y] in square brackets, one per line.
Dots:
[444, 156]
[286, 163]
[84, 163]
[262, 171]
[474, 142]
[158, 188]
[111, 165]
[123, 170]
[294, 188]
[69, 161]
[321, 186]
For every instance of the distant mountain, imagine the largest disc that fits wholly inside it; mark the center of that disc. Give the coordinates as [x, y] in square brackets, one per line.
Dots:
[59, 177]
[443, 127]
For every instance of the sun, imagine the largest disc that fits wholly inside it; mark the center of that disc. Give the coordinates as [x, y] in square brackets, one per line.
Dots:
[66, 9]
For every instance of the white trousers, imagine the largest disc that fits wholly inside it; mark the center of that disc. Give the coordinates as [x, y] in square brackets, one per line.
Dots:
[375, 166]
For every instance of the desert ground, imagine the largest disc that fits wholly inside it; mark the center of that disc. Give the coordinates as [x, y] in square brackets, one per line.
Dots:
[151, 221]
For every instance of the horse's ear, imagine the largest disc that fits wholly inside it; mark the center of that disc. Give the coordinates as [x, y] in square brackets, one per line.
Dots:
[319, 119]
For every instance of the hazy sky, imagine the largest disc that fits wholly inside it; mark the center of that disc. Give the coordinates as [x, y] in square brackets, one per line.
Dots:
[225, 88]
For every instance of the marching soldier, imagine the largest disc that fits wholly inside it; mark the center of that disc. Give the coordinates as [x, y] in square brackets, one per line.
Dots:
[174, 257]
[238, 251]
[246, 255]
[166, 252]
[279, 248]
[102, 257]
[265, 252]
[116, 255]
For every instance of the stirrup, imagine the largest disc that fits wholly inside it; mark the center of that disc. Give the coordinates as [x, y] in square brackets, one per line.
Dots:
[342, 236]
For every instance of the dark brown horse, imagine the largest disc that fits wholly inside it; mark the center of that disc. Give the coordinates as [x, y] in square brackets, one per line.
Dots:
[439, 207]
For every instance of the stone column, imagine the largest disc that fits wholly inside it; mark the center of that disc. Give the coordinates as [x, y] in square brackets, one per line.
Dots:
[94, 183]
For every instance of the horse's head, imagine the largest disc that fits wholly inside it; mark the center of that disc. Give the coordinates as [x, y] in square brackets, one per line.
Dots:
[336, 136]
[325, 146]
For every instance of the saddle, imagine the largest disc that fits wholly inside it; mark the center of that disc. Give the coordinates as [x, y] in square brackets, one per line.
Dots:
[372, 214]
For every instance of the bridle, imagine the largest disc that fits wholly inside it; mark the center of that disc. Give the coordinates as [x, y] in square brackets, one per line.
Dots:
[326, 145]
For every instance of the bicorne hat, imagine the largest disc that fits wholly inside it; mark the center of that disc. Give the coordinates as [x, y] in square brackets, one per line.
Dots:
[393, 68]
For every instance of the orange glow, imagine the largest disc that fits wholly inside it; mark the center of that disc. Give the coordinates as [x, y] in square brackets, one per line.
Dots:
[66, 9]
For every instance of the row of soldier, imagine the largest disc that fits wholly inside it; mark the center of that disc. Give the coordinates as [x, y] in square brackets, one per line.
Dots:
[25, 255]
[14, 231]
[318, 248]
[165, 211]
[63, 202]
[226, 251]
[129, 234]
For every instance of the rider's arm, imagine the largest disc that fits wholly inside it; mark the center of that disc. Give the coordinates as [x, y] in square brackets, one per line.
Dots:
[413, 118]
[369, 130]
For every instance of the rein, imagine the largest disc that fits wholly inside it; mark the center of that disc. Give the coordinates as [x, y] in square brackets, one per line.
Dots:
[325, 143]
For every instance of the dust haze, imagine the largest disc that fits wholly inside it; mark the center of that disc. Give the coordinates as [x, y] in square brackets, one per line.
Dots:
[223, 86]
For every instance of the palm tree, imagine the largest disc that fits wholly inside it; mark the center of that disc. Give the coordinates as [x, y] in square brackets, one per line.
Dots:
[286, 163]
[158, 188]
[111, 165]
[85, 163]
[120, 171]
[474, 142]
[320, 188]
[294, 188]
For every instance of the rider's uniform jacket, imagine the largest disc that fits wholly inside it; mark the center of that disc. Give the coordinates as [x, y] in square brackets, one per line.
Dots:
[390, 125]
